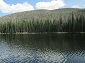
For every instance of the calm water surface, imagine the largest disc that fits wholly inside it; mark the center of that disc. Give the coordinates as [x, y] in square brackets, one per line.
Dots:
[42, 48]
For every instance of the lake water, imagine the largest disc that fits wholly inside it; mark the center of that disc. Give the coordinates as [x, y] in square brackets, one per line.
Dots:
[42, 48]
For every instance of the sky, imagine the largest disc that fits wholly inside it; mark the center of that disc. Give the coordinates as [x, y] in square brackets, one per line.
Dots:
[13, 6]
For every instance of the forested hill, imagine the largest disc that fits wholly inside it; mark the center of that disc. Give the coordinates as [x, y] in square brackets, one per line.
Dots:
[59, 20]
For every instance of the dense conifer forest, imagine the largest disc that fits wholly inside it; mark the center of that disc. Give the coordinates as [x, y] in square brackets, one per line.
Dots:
[39, 21]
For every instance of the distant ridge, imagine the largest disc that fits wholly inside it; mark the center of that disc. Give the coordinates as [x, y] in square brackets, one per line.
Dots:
[58, 20]
[44, 14]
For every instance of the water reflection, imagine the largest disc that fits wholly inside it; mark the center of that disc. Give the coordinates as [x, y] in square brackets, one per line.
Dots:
[42, 48]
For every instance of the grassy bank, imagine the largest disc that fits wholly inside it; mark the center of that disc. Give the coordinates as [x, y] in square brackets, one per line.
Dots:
[46, 33]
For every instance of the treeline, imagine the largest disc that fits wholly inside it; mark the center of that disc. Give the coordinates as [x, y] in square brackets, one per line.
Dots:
[73, 24]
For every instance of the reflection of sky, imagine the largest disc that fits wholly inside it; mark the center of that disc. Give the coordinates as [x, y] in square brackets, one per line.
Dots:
[4, 50]
[54, 57]
[16, 53]
[10, 53]
[75, 59]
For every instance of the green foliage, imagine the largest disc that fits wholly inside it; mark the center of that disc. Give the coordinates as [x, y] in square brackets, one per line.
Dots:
[44, 21]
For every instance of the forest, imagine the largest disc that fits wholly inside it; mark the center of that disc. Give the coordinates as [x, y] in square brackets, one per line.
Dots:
[72, 24]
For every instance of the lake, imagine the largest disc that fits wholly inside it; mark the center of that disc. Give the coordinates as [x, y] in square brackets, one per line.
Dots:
[42, 48]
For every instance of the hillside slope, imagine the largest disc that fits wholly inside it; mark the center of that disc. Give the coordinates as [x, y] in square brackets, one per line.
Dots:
[43, 14]
[59, 20]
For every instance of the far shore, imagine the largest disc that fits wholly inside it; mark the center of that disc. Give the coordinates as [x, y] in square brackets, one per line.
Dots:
[43, 33]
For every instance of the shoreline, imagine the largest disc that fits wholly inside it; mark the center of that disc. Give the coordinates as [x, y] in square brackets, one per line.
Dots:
[46, 33]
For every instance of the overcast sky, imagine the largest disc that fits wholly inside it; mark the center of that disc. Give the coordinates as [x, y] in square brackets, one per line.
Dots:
[12, 6]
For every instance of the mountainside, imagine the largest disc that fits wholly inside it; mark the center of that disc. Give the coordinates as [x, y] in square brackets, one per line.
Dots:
[43, 14]
[59, 20]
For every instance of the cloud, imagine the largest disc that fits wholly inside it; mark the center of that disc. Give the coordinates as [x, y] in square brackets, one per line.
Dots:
[53, 4]
[6, 8]
[76, 6]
